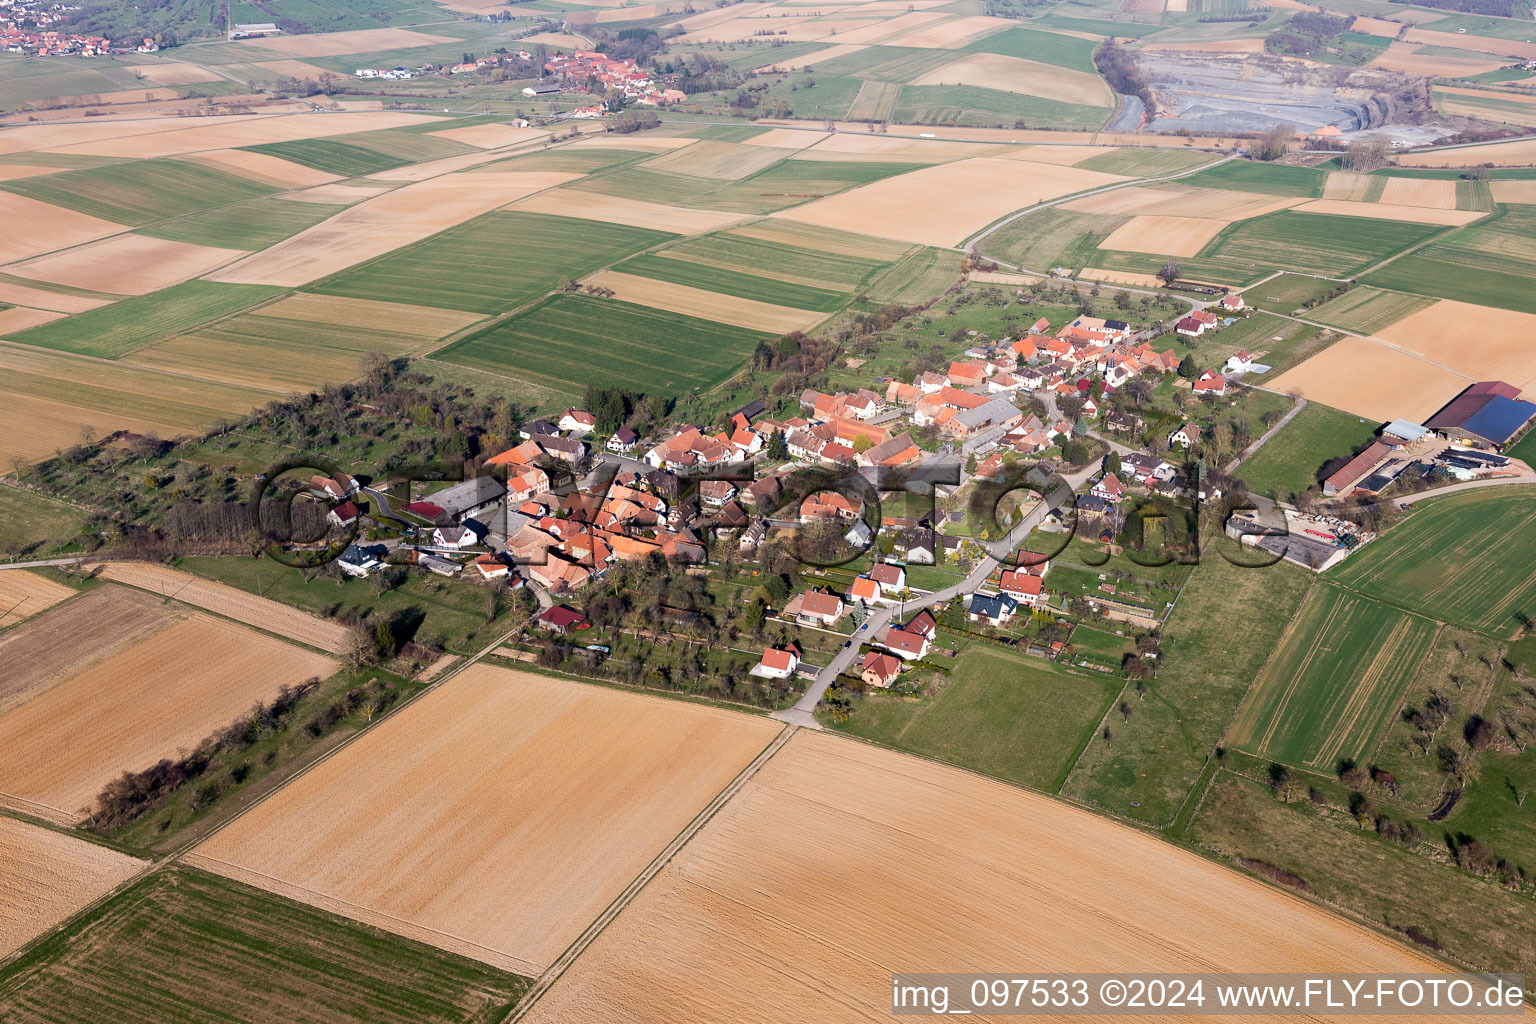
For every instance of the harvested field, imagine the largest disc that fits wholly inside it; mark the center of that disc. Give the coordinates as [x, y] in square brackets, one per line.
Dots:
[230, 603]
[25, 138]
[168, 692]
[618, 210]
[341, 193]
[1382, 211]
[262, 167]
[33, 227]
[1013, 74]
[1119, 277]
[725, 309]
[1067, 156]
[1487, 44]
[174, 73]
[19, 318]
[114, 98]
[953, 34]
[46, 876]
[23, 594]
[637, 144]
[1525, 99]
[783, 138]
[812, 59]
[561, 39]
[235, 132]
[755, 906]
[38, 298]
[495, 817]
[944, 205]
[1521, 153]
[1211, 203]
[336, 44]
[490, 136]
[292, 69]
[46, 649]
[1171, 236]
[875, 100]
[1213, 46]
[128, 264]
[1376, 27]
[10, 172]
[788, 233]
[386, 222]
[726, 160]
[843, 146]
[1348, 186]
[422, 321]
[1480, 341]
[1367, 310]
[1521, 192]
[1429, 192]
[1372, 380]
[1405, 58]
[34, 428]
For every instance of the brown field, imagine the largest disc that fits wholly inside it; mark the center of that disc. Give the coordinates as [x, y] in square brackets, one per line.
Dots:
[1377, 27]
[633, 13]
[30, 137]
[1373, 380]
[1480, 341]
[1503, 192]
[112, 98]
[10, 172]
[1290, 5]
[234, 132]
[491, 136]
[1067, 156]
[1404, 57]
[384, 223]
[1437, 195]
[436, 168]
[812, 59]
[840, 863]
[1348, 186]
[725, 309]
[341, 193]
[422, 321]
[335, 44]
[1213, 46]
[19, 318]
[125, 264]
[719, 14]
[716, 160]
[1171, 236]
[1177, 6]
[174, 73]
[1011, 74]
[1521, 153]
[637, 212]
[1209, 203]
[23, 594]
[1520, 115]
[1487, 44]
[952, 34]
[50, 647]
[846, 146]
[883, 30]
[866, 247]
[166, 693]
[497, 816]
[1384, 211]
[945, 204]
[47, 876]
[263, 167]
[639, 144]
[1120, 277]
[561, 39]
[35, 428]
[293, 69]
[32, 227]
[37, 298]
[783, 138]
[230, 603]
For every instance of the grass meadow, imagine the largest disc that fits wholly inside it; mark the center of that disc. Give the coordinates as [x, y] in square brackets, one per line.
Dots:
[189, 946]
[366, 152]
[1286, 293]
[1292, 460]
[1465, 558]
[140, 192]
[1332, 686]
[569, 341]
[1270, 179]
[1367, 310]
[732, 282]
[1046, 47]
[974, 106]
[842, 269]
[493, 263]
[918, 277]
[1151, 162]
[115, 330]
[1003, 714]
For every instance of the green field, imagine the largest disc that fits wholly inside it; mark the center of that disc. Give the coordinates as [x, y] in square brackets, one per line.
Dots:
[28, 521]
[974, 106]
[1367, 310]
[141, 191]
[916, 278]
[252, 225]
[1466, 559]
[1324, 244]
[183, 945]
[1286, 293]
[1271, 179]
[1046, 47]
[366, 152]
[1289, 462]
[1003, 714]
[1051, 237]
[787, 183]
[118, 329]
[1148, 162]
[1332, 686]
[815, 95]
[1491, 263]
[731, 282]
[493, 263]
[569, 341]
[839, 271]
[1225, 624]
[886, 63]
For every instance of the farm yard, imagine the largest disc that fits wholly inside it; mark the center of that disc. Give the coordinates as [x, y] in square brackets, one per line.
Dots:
[46, 876]
[530, 808]
[1331, 687]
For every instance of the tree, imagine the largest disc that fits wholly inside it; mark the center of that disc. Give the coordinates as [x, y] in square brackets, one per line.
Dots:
[778, 450]
[361, 647]
[1366, 154]
[384, 640]
[1273, 144]
[1112, 463]
[1188, 368]
[1169, 272]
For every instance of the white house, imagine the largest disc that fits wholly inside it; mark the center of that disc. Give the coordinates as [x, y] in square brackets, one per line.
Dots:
[356, 561]
[892, 578]
[777, 663]
[1186, 436]
[577, 422]
[455, 537]
[623, 440]
[1239, 362]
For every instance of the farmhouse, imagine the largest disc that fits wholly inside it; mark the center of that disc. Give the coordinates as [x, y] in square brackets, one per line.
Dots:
[343, 515]
[1349, 476]
[559, 619]
[471, 497]
[1490, 414]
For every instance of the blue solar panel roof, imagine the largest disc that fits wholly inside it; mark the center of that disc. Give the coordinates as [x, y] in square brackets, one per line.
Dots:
[1500, 418]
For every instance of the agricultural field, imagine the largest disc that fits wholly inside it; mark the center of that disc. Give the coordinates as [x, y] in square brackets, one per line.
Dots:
[1491, 263]
[1293, 459]
[555, 343]
[1373, 380]
[661, 267]
[186, 945]
[1462, 558]
[140, 192]
[998, 713]
[1330, 245]
[492, 264]
[747, 902]
[1047, 47]
[23, 594]
[364, 153]
[1288, 292]
[497, 816]
[783, 251]
[251, 225]
[46, 876]
[1330, 689]
[1271, 179]
[1469, 338]
[113, 331]
[1368, 310]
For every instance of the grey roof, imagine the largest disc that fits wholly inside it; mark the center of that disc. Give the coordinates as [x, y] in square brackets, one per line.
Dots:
[469, 496]
[995, 411]
[993, 606]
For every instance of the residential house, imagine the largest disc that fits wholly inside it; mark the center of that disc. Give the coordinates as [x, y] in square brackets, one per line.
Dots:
[493, 566]
[1040, 326]
[1022, 587]
[1147, 470]
[1239, 362]
[864, 591]
[777, 663]
[1197, 323]
[358, 561]
[892, 453]
[623, 440]
[1232, 302]
[821, 609]
[1186, 436]
[455, 537]
[1211, 383]
[577, 422]
[1109, 488]
[716, 493]
[892, 578]
[343, 515]
[923, 624]
[880, 670]
[560, 619]
[994, 608]
[906, 646]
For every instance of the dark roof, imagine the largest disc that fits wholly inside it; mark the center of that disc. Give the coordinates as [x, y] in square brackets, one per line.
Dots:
[1489, 409]
[750, 410]
[561, 616]
[425, 510]
[992, 606]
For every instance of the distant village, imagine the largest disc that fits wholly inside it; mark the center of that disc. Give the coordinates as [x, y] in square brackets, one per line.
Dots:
[24, 28]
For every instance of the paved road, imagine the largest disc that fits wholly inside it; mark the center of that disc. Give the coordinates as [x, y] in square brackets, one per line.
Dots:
[1470, 485]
